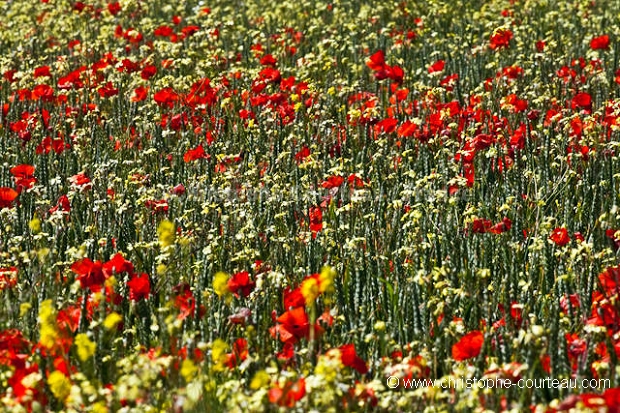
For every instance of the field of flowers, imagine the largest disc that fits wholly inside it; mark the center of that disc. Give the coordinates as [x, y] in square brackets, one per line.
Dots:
[272, 206]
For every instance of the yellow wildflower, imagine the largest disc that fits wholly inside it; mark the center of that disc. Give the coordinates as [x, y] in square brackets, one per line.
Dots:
[35, 225]
[188, 370]
[112, 320]
[166, 233]
[310, 290]
[85, 347]
[59, 384]
[326, 279]
[220, 283]
[218, 353]
[47, 320]
[261, 379]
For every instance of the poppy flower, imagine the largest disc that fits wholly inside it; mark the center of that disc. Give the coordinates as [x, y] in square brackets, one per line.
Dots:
[89, 274]
[116, 265]
[501, 227]
[292, 326]
[8, 279]
[582, 100]
[437, 66]
[114, 8]
[287, 352]
[576, 348]
[139, 287]
[333, 182]
[157, 205]
[139, 94]
[560, 236]
[148, 72]
[316, 220]
[293, 298]
[81, 181]
[240, 353]
[600, 43]
[268, 60]
[240, 284]
[42, 71]
[406, 129]
[609, 280]
[501, 39]
[376, 62]
[469, 346]
[194, 154]
[63, 205]
[302, 154]
[184, 300]
[289, 394]
[178, 190]
[7, 197]
[166, 97]
[349, 358]
[24, 176]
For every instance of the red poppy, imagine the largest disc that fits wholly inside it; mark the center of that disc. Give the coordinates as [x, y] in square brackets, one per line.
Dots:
[501, 227]
[116, 265]
[268, 60]
[107, 90]
[560, 236]
[8, 279]
[469, 346]
[184, 300]
[194, 154]
[287, 353]
[139, 94]
[62, 205]
[302, 154]
[333, 182]
[148, 72]
[42, 71]
[43, 92]
[376, 62]
[81, 180]
[240, 284]
[157, 205]
[316, 220]
[166, 97]
[24, 176]
[355, 181]
[240, 353]
[291, 326]
[517, 105]
[577, 349]
[610, 280]
[289, 394]
[350, 358]
[437, 66]
[406, 129]
[481, 225]
[600, 43]
[178, 190]
[139, 287]
[293, 298]
[7, 197]
[89, 273]
[582, 100]
[114, 8]
[501, 39]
